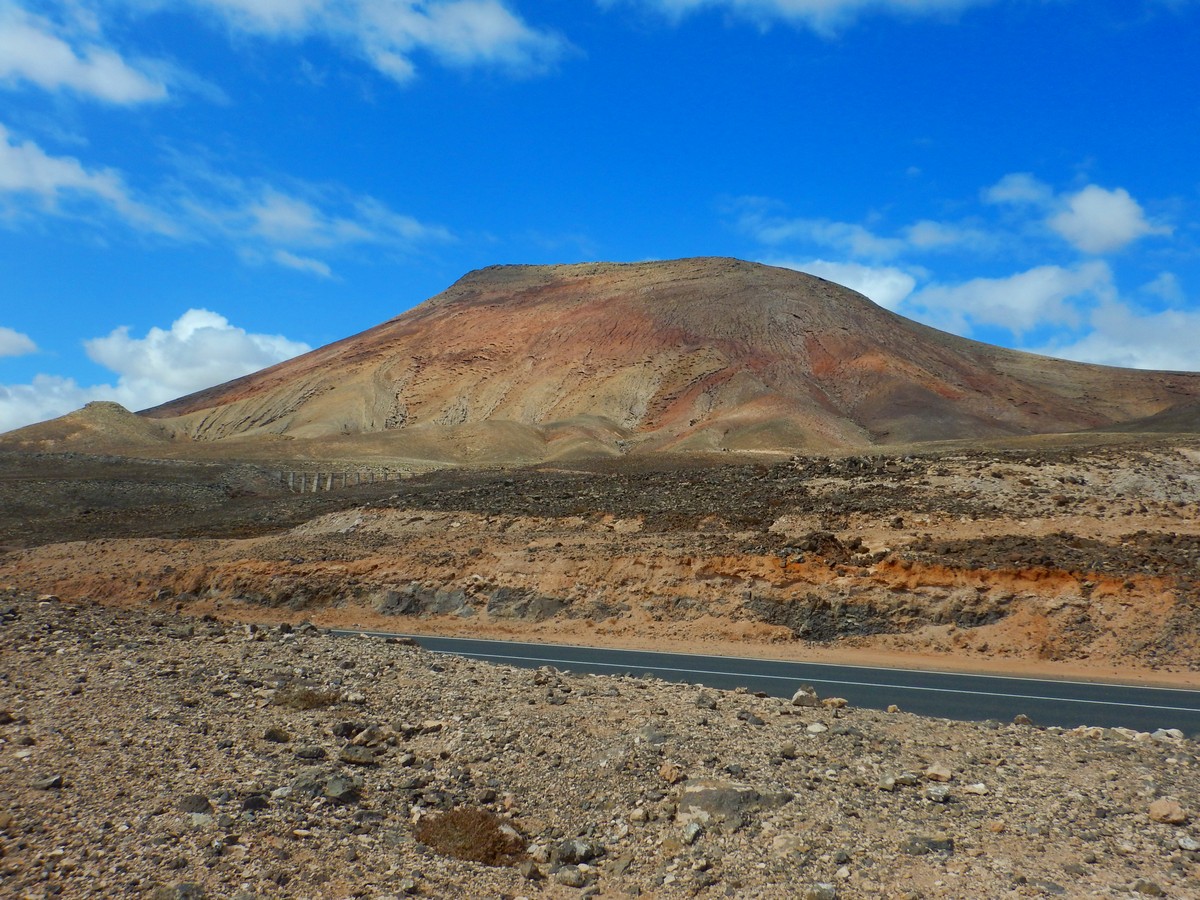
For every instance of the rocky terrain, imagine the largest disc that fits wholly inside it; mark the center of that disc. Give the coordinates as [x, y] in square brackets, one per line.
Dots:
[144, 754]
[1081, 553]
[701, 455]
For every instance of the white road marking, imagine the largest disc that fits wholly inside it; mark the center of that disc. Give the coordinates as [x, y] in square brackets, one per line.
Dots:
[789, 662]
[899, 687]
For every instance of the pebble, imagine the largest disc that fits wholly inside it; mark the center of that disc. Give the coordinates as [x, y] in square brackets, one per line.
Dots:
[938, 793]
[571, 876]
[921, 845]
[1168, 812]
[276, 735]
[622, 784]
[340, 789]
[1148, 888]
[806, 697]
[358, 756]
[820, 891]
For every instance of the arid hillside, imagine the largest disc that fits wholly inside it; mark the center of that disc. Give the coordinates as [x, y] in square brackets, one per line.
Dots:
[518, 364]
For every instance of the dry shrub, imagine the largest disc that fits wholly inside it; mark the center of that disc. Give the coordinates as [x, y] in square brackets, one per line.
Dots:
[473, 834]
[300, 697]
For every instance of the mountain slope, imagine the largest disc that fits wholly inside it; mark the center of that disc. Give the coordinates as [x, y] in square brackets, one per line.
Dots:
[695, 354]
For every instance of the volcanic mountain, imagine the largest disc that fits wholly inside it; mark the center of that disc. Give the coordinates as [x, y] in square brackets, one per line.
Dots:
[525, 362]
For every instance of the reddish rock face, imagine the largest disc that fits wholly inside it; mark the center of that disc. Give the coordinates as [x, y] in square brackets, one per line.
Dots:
[687, 355]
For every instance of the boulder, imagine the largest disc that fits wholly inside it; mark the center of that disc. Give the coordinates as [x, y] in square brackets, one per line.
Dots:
[711, 801]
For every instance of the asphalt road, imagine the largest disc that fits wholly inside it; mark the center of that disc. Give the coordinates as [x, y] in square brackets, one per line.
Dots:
[945, 694]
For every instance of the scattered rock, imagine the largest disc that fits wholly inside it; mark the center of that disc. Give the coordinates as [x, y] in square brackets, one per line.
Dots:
[185, 890]
[712, 801]
[574, 851]
[194, 804]
[529, 870]
[276, 735]
[1148, 888]
[922, 845]
[938, 793]
[672, 773]
[634, 808]
[750, 718]
[806, 696]
[571, 876]
[1169, 812]
[341, 788]
[358, 755]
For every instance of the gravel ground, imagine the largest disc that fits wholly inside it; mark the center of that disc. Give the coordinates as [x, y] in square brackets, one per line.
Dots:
[146, 755]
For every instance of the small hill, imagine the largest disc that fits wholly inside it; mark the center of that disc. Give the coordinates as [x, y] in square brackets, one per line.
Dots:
[99, 426]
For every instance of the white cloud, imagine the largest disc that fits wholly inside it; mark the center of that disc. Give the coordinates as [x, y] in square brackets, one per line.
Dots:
[1094, 219]
[200, 349]
[1097, 220]
[1166, 287]
[302, 264]
[1019, 189]
[32, 52]
[823, 16]
[885, 285]
[273, 17]
[846, 237]
[928, 234]
[1046, 295]
[259, 220]
[287, 219]
[26, 170]
[1070, 308]
[13, 343]
[265, 222]
[1123, 336]
[388, 34]
[853, 239]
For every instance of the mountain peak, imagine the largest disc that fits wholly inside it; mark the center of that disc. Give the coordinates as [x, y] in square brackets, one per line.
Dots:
[517, 362]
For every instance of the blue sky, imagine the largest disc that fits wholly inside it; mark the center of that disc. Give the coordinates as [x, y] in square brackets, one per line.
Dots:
[190, 190]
